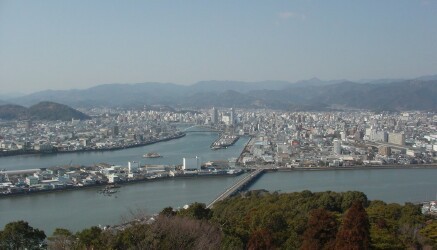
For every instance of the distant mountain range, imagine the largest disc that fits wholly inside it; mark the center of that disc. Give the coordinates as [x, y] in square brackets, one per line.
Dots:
[42, 111]
[312, 94]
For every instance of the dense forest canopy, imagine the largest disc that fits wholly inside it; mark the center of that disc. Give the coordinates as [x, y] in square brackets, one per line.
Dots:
[254, 220]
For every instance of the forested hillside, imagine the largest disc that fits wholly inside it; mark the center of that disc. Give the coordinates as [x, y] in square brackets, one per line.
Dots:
[255, 220]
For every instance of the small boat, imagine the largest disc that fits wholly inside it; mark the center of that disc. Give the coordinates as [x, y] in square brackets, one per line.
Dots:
[152, 155]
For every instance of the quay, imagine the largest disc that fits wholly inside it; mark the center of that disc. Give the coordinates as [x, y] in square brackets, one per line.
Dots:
[239, 185]
[224, 141]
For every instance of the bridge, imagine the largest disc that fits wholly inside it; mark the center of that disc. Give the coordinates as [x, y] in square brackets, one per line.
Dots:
[201, 128]
[238, 186]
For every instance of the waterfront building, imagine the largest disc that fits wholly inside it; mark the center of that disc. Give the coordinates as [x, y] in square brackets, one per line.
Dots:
[132, 167]
[191, 163]
[32, 180]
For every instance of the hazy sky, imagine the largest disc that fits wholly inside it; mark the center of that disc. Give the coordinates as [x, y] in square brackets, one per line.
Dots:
[77, 44]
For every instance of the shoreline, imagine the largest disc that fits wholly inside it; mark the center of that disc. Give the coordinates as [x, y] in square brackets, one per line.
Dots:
[97, 185]
[19, 153]
[410, 166]
[145, 180]
[240, 157]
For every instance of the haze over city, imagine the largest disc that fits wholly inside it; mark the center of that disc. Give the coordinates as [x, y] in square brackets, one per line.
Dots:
[299, 124]
[79, 44]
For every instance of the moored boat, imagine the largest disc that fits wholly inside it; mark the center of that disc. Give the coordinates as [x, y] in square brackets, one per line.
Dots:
[152, 155]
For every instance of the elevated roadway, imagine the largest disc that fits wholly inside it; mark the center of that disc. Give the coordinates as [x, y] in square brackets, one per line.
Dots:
[201, 128]
[238, 186]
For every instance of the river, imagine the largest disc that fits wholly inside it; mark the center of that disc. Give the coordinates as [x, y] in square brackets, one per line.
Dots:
[193, 144]
[389, 185]
[79, 209]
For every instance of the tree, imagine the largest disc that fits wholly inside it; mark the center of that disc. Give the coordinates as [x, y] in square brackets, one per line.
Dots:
[260, 239]
[321, 230]
[196, 211]
[168, 211]
[19, 235]
[61, 239]
[90, 238]
[354, 232]
[185, 233]
[350, 197]
[136, 236]
[430, 233]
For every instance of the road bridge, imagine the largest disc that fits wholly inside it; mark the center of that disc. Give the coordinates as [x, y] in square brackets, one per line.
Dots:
[201, 128]
[238, 186]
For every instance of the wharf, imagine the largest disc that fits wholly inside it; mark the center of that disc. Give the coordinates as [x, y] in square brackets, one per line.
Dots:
[224, 141]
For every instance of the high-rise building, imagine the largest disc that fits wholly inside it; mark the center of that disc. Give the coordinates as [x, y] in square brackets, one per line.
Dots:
[343, 136]
[214, 116]
[381, 136]
[28, 124]
[337, 147]
[115, 130]
[396, 138]
[232, 118]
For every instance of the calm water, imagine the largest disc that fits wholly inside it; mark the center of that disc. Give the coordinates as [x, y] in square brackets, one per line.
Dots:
[76, 210]
[389, 185]
[193, 144]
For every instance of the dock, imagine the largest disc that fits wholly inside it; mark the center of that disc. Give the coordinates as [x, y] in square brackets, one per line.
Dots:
[238, 186]
[224, 141]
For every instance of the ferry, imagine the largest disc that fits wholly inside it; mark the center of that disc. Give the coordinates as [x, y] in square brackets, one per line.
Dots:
[152, 155]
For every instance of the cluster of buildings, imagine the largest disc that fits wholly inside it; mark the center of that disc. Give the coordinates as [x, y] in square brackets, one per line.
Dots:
[73, 177]
[105, 131]
[314, 139]
[286, 139]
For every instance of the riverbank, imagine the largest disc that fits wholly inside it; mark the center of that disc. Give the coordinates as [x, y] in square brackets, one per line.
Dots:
[409, 166]
[245, 149]
[33, 152]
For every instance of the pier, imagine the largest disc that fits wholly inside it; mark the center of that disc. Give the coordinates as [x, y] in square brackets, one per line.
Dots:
[238, 186]
[224, 141]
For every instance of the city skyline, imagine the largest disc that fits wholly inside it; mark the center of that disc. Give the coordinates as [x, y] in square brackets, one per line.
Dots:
[77, 45]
